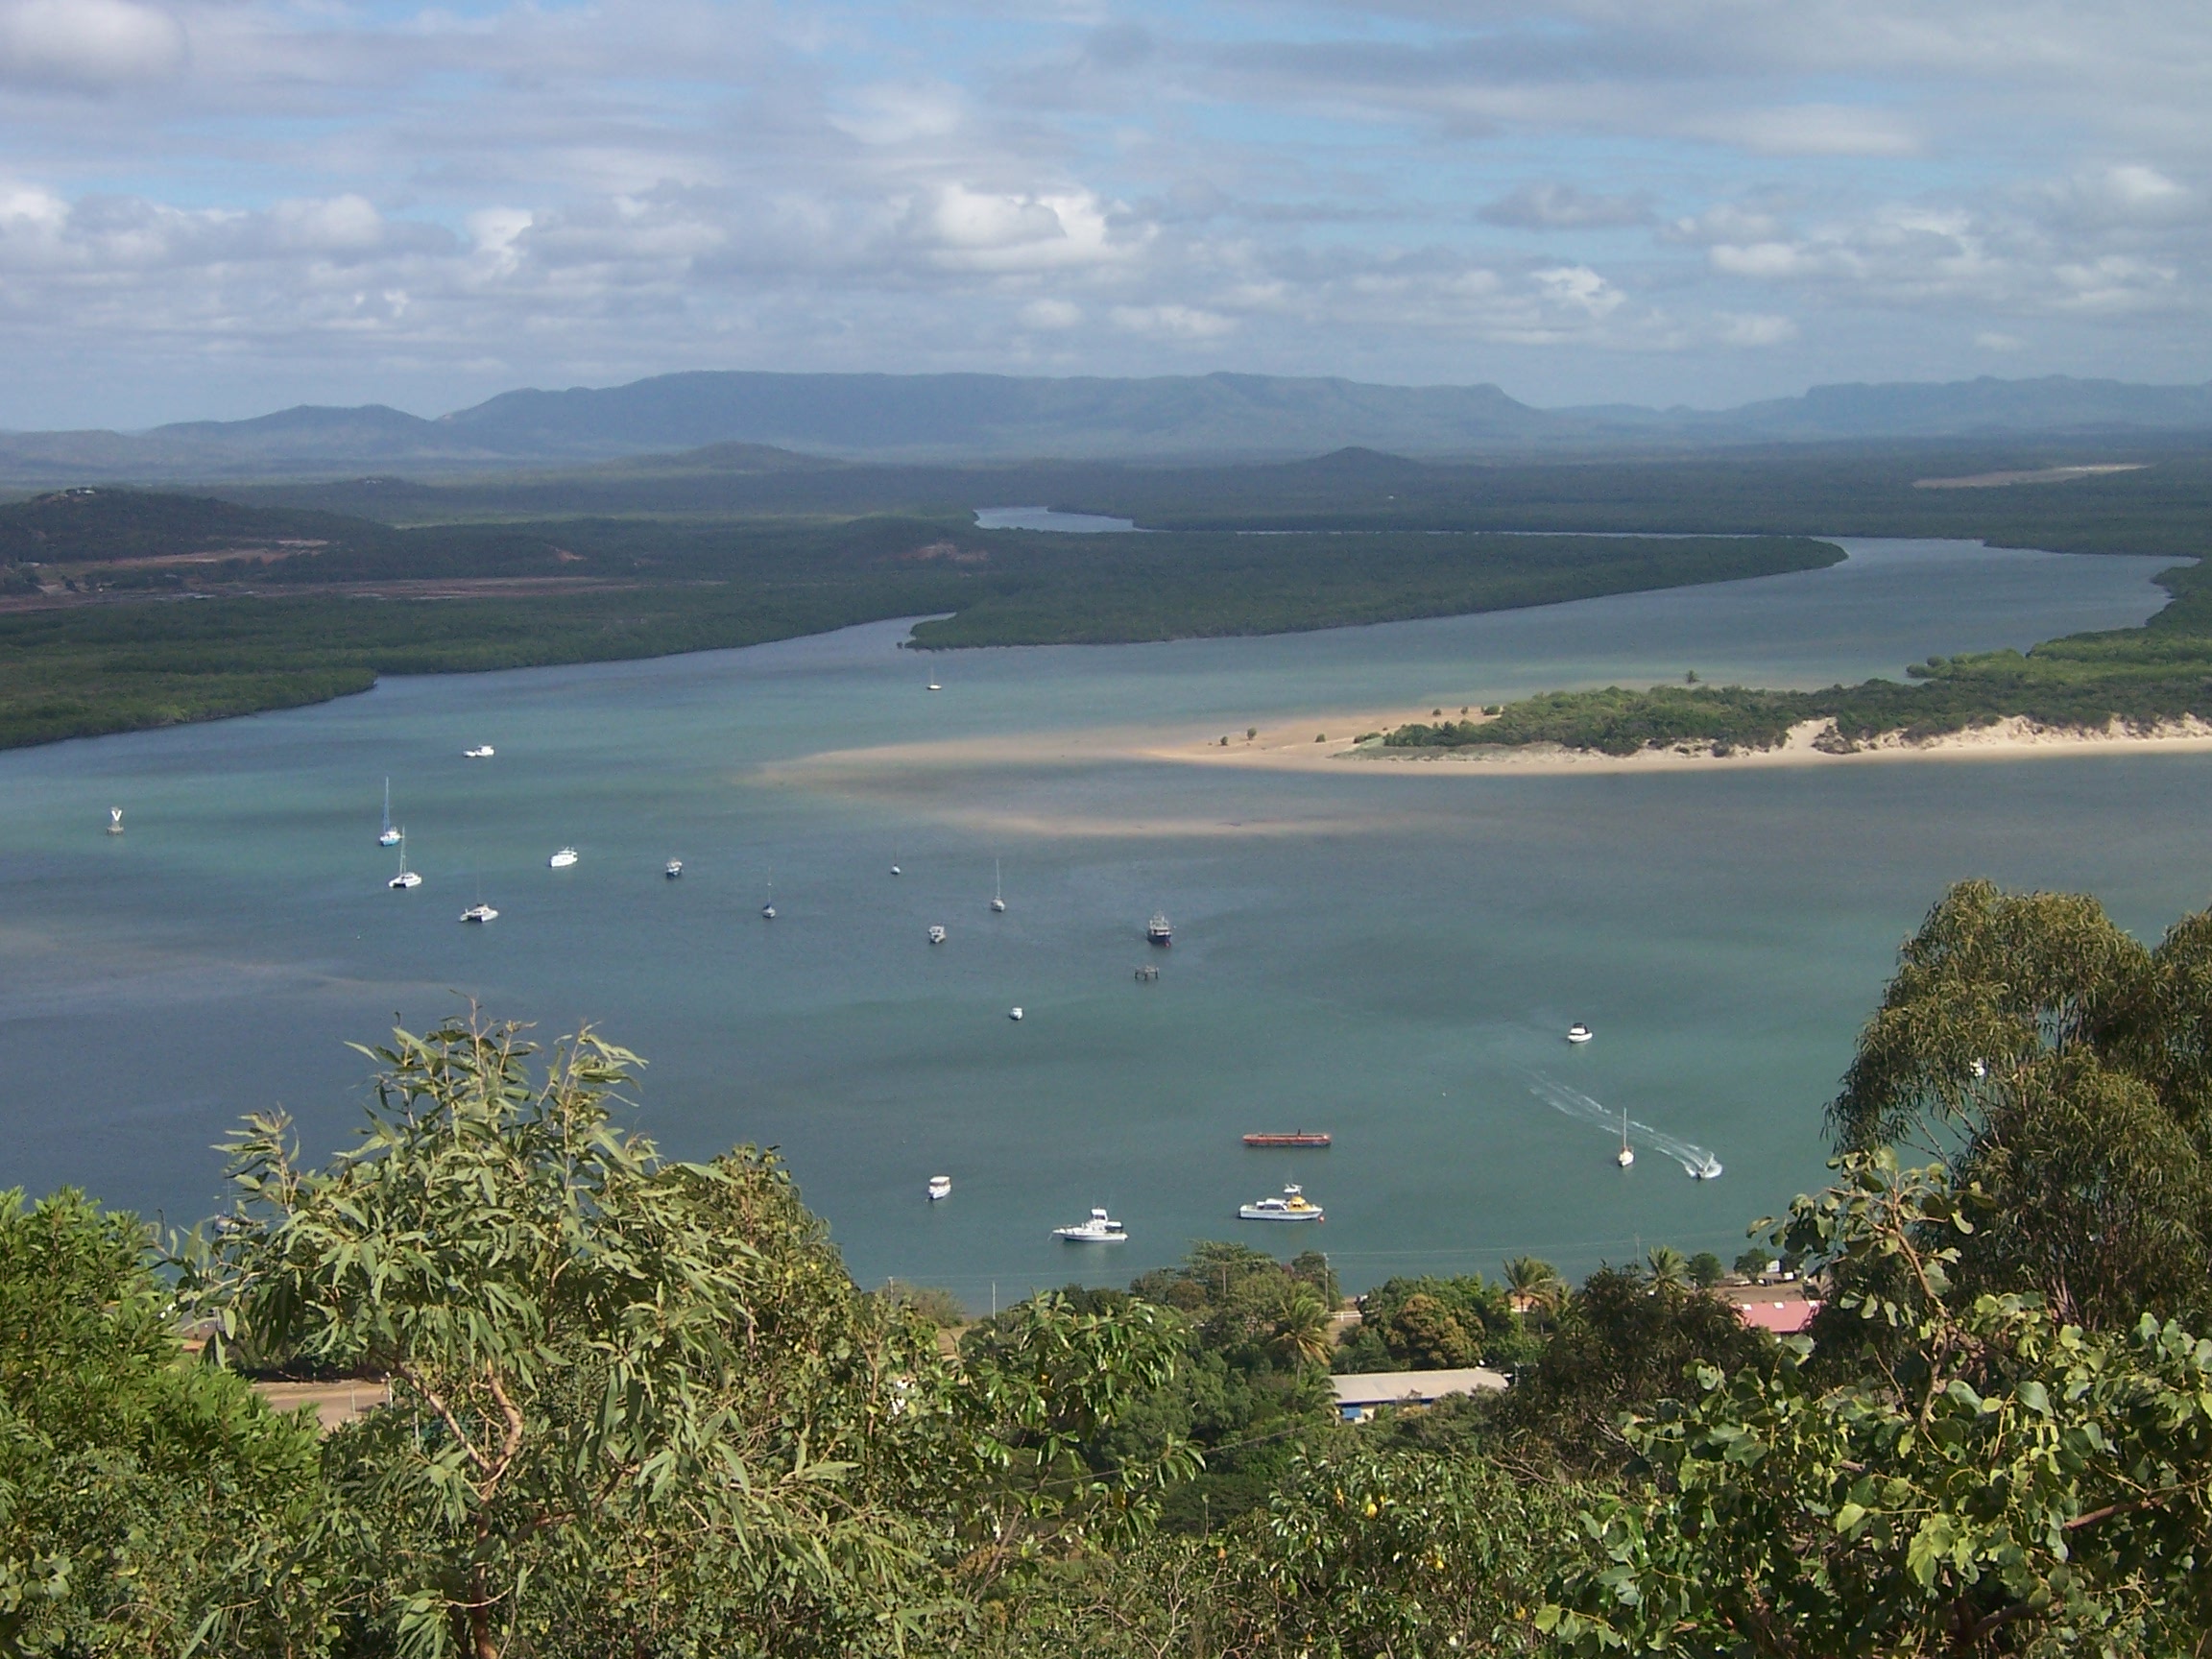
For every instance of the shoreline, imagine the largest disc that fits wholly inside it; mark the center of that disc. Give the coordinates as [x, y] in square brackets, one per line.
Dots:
[2014, 739]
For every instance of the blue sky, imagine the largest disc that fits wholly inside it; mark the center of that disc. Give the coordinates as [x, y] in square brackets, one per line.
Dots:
[216, 207]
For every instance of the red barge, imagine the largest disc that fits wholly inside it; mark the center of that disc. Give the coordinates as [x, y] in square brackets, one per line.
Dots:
[1306, 1137]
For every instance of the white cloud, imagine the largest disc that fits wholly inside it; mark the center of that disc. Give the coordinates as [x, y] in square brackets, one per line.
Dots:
[1546, 206]
[87, 45]
[1172, 322]
[1756, 329]
[1052, 314]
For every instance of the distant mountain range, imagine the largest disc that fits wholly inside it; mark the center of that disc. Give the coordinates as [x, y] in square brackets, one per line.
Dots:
[992, 416]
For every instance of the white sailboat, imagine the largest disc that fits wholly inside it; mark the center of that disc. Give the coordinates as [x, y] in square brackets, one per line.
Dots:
[406, 877]
[114, 820]
[387, 836]
[768, 910]
[1626, 1154]
[479, 912]
[998, 890]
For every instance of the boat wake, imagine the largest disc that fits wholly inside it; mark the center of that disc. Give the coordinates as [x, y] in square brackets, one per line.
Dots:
[1698, 1162]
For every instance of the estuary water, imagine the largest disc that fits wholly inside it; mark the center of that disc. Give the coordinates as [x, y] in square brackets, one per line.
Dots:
[1392, 954]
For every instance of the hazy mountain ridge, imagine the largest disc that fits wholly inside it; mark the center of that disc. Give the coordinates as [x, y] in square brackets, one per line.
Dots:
[985, 417]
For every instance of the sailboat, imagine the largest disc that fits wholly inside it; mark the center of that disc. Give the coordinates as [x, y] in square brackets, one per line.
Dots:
[389, 836]
[114, 820]
[998, 890]
[1626, 1154]
[768, 910]
[406, 877]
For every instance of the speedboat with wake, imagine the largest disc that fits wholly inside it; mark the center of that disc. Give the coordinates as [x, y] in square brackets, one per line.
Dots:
[1292, 1206]
[1101, 1229]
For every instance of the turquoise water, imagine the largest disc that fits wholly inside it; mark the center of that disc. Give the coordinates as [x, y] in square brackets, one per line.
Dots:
[1389, 956]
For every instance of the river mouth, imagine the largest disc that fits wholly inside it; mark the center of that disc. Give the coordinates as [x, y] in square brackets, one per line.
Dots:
[1392, 959]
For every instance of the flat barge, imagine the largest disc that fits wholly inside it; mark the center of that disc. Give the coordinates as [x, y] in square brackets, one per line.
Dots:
[1304, 1138]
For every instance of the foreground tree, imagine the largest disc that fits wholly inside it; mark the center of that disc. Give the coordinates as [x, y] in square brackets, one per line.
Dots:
[1995, 1480]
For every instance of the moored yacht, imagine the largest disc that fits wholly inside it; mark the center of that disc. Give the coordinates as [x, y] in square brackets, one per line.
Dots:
[936, 935]
[114, 820]
[482, 751]
[387, 836]
[1627, 1154]
[1157, 931]
[479, 912]
[1101, 1229]
[563, 859]
[406, 877]
[1579, 1033]
[672, 868]
[998, 890]
[1292, 1206]
[940, 1186]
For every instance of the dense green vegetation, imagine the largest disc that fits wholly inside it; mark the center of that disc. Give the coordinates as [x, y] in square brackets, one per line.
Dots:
[639, 1406]
[251, 613]
[2135, 677]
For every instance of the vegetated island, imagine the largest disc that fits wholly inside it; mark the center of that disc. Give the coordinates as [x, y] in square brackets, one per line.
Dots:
[122, 610]
[2147, 682]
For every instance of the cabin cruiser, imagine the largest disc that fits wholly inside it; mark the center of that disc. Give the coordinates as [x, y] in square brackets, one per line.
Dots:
[940, 1186]
[1579, 1033]
[482, 751]
[672, 868]
[1015, 1014]
[1101, 1229]
[563, 859]
[479, 913]
[936, 935]
[1292, 1206]
[1157, 931]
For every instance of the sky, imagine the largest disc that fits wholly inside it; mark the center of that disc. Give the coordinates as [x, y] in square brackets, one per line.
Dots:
[211, 208]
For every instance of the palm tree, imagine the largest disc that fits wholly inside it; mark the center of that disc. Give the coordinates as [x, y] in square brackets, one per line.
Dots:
[1534, 1285]
[1302, 1333]
[1668, 1264]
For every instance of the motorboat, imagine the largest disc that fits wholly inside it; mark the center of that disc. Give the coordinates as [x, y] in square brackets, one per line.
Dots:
[1299, 1137]
[114, 820]
[1157, 931]
[1627, 1154]
[482, 751]
[479, 913]
[998, 891]
[1707, 1170]
[387, 836]
[1292, 1206]
[406, 877]
[672, 868]
[936, 935]
[563, 859]
[940, 1186]
[1579, 1033]
[933, 687]
[1015, 1014]
[768, 911]
[1101, 1229]
[895, 871]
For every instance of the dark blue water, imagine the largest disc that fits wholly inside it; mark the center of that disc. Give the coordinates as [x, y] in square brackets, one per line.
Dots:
[1391, 956]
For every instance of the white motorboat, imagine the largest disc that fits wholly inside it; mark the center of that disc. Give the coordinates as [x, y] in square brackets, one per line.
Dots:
[1015, 1014]
[1101, 1229]
[1579, 1033]
[479, 913]
[1708, 1170]
[114, 820]
[936, 935]
[940, 1186]
[672, 868]
[895, 871]
[387, 836]
[562, 859]
[406, 877]
[482, 751]
[1626, 1154]
[1292, 1206]
[998, 890]
[1157, 931]
[934, 686]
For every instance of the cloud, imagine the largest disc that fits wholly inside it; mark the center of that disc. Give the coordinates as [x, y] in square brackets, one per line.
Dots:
[1556, 206]
[87, 45]
[1755, 329]
[1173, 322]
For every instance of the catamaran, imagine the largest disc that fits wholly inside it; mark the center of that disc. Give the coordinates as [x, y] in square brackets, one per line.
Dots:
[387, 836]
[479, 912]
[406, 877]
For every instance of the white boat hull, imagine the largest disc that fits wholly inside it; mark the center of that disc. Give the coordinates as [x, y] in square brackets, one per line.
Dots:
[1253, 1212]
[1079, 1235]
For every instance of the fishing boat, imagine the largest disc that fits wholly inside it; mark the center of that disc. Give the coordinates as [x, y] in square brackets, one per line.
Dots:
[1301, 1138]
[940, 1186]
[1626, 1154]
[563, 859]
[406, 877]
[936, 935]
[1292, 1206]
[1579, 1033]
[672, 868]
[114, 820]
[387, 836]
[479, 912]
[1157, 931]
[482, 751]
[998, 890]
[1101, 1229]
